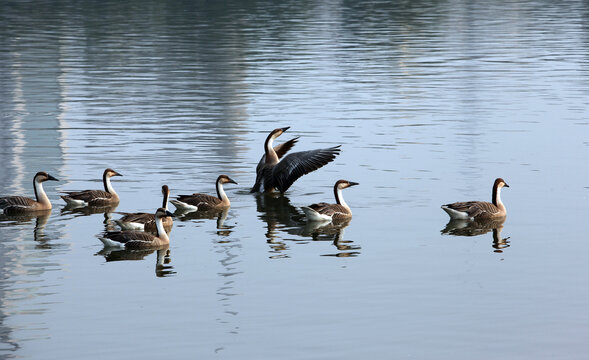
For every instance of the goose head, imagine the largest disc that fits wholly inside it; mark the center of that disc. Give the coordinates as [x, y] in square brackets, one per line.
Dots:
[110, 173]
[161, 213]
[499, 183]
[42, 176]
[224, 179]
[342, 184]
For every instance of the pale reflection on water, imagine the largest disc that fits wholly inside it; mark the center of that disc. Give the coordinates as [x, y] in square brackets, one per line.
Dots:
[430, 101]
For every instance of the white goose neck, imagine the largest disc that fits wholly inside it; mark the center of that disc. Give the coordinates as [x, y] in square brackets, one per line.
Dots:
[108, 187]
[498, 199]
[40, 194]
[161, 232]
[271, 156]
[221, 193]
[340, 198]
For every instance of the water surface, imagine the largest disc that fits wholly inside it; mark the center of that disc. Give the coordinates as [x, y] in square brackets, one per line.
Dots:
[431, 101]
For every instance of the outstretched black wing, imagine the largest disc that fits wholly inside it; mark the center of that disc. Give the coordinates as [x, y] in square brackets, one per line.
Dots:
[295, 165]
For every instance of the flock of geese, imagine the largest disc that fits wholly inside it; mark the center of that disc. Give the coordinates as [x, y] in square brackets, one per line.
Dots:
[276, 171]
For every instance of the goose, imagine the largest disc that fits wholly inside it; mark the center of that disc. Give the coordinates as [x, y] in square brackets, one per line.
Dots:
[479, 210]
[146, 221]
[328, 212]
[140, 239]
[205, 202]
[19, 204]
[95, 197]
[277, 172]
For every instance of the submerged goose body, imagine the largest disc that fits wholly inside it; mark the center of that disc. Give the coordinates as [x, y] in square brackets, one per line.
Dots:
[146, 221]
[205, 202]
[95, 197]
[479, 210]
[329, 212]
[278, 172]
[20, 204]
[140, 239]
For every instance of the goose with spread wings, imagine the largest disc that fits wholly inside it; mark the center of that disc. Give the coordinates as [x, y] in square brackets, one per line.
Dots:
[278, 172]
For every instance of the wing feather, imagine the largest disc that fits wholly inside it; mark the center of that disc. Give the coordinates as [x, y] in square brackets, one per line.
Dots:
[297, 164]
[16, 202]
[92, 197]
[475, 208]
[140, 217]
[333, 210]
[202, 201]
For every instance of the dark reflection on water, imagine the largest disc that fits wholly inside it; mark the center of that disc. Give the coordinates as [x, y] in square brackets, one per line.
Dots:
[334, 232]
[480, 227]
[163, 259]
[218, 215]
[279, 215]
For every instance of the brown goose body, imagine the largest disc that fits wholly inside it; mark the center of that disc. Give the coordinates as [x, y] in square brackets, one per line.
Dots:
[330, 212]
[480, 210]
[20, 204]
[278, 172]
[146, 221]
[205, 202]
[95, 197]
[140, 239]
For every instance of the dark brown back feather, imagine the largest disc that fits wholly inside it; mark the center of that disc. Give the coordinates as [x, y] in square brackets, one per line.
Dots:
[92, 197]
[203, 201]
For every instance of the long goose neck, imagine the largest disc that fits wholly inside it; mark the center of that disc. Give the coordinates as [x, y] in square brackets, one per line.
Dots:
[221, 193]
[161, 232]
[497, 197]
[271, 156]
[40, 195]
[165, 203]
[107, 186]
[339, 198]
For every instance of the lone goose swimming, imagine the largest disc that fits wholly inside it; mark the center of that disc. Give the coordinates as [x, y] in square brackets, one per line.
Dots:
[275, 172]
[328, 212]
[146, 221]
[95, 197]
[20, 204]
[140, 239]
[479, 210]
[204, 202]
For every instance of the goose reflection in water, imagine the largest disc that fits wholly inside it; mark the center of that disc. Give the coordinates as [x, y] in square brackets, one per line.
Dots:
[41, 218]
[87, 210]
[162, 267]
[278, 214]
[332, 231]
[220, 215]
[479, 227]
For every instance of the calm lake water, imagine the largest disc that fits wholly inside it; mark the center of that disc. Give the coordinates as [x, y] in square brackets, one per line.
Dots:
[431, 101]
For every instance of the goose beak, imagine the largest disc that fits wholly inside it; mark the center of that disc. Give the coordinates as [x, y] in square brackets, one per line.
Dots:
[231, 181]
[49, 177]
[353, 183]
[505, 185]
[117, 174]
[285, 128]
[170, 214]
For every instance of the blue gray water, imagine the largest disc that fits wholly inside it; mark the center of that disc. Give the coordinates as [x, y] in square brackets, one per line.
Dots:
[431, 101]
